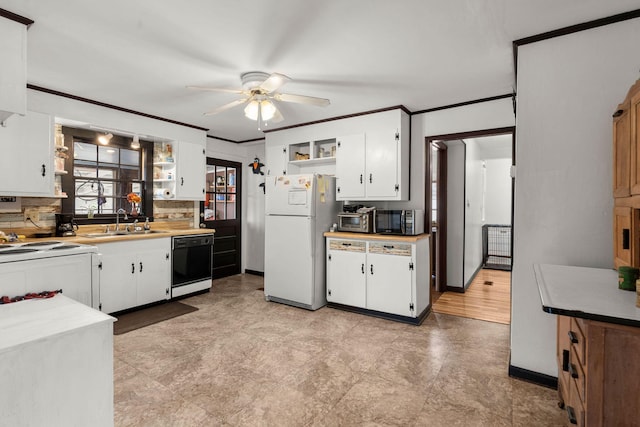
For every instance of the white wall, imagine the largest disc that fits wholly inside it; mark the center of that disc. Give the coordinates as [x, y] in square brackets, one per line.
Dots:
[497, 203]
[473, 211]
[455, 213]
[252, 228]
[568, 87]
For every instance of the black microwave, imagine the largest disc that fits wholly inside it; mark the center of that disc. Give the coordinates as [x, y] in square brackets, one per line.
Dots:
[399, 221]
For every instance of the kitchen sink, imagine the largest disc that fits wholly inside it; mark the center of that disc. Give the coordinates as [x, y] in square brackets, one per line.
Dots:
[122, 233]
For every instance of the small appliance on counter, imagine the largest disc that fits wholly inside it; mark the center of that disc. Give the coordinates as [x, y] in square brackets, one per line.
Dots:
[356, 218]
[65, 225]
[399, 221]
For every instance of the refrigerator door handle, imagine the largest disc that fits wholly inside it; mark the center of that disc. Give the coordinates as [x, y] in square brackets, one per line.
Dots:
[312, 240]
[403, 222]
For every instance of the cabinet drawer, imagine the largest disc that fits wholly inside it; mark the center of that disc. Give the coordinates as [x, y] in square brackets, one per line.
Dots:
[577, 375]
[347, 245]
[402, 249]
[576, 336]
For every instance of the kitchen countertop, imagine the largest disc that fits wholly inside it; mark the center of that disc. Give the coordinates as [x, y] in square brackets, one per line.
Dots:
[588, 293]
[81, 237]
[371, 236]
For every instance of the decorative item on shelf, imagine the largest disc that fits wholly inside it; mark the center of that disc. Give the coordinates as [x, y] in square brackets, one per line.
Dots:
[134, 199]
[220, 181]
[169, 154]
[302, 156]
[256, 166]
[627, 277]
[333, 151]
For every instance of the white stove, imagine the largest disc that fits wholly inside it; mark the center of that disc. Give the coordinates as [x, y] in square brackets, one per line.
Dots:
[10, 252]
[50, 265]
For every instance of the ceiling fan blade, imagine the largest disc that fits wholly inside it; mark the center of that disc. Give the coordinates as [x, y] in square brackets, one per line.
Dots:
[277, 117]
[302, 99]
[216, 89]
[226, 106]
[274, 82]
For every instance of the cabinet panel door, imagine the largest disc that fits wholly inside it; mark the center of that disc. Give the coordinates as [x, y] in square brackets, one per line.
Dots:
[191, 178]
[622, 152]
[389, 281]
[118, 279]
[26, 166]
[154, 273]
[13, 82]
[346, 278]
[276, 160]
[350, 167]
[382, 164]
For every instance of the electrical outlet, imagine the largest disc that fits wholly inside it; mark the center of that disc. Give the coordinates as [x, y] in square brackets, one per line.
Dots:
[32, 214]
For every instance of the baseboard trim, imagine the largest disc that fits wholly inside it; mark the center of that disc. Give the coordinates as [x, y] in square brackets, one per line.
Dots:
[533, 377]
[473, 276]
[455, 289]
[417, 321]
[254, 272]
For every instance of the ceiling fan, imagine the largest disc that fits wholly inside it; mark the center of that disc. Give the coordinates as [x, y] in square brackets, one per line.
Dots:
[259, 90]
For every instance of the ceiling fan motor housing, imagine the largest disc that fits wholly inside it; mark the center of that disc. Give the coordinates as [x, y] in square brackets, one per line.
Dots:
[253, 79]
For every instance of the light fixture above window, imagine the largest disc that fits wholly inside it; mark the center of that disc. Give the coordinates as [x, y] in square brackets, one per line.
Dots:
[105, 138]
[135, 144]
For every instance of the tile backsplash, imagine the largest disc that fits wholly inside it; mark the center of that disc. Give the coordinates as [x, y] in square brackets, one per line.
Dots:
[164, 210]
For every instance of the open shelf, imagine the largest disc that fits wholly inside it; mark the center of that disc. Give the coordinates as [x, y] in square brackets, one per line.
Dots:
[318, 161]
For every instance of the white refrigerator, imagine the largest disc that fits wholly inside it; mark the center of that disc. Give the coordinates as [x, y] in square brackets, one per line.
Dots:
[298, 209]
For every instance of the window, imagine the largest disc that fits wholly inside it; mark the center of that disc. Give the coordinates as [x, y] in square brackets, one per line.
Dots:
[104, 178]
[220, 201]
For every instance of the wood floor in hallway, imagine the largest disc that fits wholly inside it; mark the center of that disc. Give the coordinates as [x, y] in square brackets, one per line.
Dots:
[487, 298]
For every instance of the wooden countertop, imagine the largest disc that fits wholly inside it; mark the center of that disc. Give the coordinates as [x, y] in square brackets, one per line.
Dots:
[588, 293]
[370, 236]
[83, 232]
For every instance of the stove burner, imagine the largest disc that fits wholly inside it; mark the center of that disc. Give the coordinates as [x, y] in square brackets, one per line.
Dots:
[49, 243]
[69, 246]
[17, 251]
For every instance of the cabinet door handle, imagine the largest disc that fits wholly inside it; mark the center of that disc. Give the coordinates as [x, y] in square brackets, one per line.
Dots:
[372, 269]
[573, 337]
[387, 246]
[181, 180]
[166, 255]
[370, 178]
[362, 268]
[573, 371]
[360, 178]
[346, 244]
[618, 113]
[571, 413]
[140, 267]
[133, 268]
[565, 360]
[44, 170]
[625, 238]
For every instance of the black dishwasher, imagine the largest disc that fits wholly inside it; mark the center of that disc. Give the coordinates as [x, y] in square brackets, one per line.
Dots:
[192, 263]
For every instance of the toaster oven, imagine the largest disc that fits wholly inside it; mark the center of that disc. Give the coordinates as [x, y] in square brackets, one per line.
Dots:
[357, 222]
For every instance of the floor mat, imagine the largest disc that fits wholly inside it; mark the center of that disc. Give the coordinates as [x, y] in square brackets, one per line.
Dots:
[148, 316]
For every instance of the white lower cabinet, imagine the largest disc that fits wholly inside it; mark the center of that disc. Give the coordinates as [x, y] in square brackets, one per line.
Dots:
[134, 273]
[380, 275]
[346, 277]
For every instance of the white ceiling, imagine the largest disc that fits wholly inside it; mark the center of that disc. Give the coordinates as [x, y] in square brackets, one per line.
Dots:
[361, 54]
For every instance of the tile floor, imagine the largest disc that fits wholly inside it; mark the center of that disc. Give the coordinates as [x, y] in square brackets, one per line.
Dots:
[242, 361]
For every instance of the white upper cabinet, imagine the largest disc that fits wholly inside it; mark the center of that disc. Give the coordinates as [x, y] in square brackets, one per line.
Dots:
[374, 165]
[192, 172]
[179, 171]
[26, 164]
[350, 167]
[13, 77]
[276, 159]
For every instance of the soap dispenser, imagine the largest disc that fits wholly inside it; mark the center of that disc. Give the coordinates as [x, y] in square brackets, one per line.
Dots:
[147, 226]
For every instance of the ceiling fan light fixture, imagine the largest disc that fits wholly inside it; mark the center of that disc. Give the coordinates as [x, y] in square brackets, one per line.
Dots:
[251, 110]
[267, 110]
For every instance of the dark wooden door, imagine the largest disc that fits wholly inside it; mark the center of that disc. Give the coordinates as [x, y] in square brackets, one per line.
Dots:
[221, 211]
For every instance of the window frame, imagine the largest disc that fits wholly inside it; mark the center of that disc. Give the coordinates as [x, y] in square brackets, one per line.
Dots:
[68, 180]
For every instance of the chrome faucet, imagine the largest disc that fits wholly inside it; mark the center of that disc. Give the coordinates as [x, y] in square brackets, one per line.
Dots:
[134, 224]
[120, 211]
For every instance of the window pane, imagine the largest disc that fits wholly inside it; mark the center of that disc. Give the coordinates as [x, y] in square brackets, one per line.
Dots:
[106, 173]
[107, 188]
[231, 209]
[129, 157]
[108, 154]
[129, 174]
[87, 187]
[85, 171]
[220, 213]
[84, 151]
[231, 178]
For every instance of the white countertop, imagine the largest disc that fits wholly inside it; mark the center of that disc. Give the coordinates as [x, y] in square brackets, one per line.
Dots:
[30, 320]
[589, 293]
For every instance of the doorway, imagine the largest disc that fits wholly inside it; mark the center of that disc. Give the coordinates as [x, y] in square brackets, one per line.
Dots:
[221, 211]
[471, 187]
